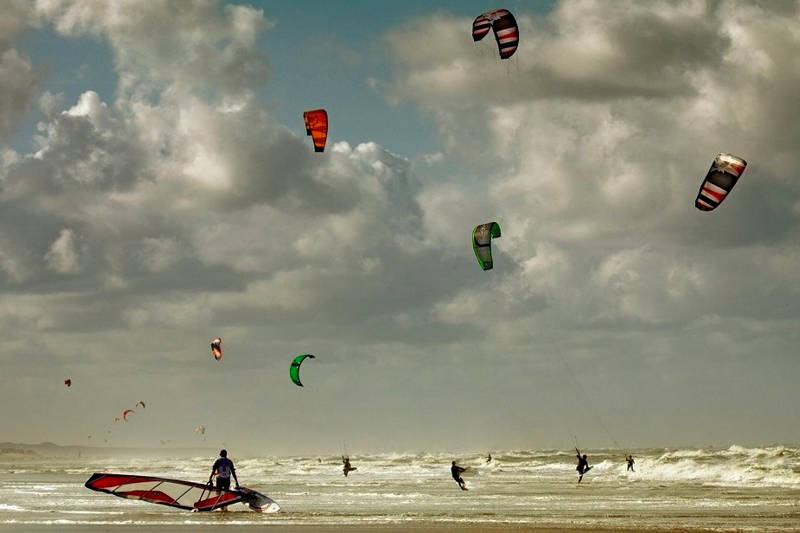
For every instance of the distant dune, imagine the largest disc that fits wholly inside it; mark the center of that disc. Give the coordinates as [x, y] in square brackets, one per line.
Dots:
[16, 450]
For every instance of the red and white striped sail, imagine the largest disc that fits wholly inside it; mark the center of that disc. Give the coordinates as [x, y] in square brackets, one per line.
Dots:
[174, 493]
[505, 29]
[720, 179]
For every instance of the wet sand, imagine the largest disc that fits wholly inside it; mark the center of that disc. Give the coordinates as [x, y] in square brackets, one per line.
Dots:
[421, 527]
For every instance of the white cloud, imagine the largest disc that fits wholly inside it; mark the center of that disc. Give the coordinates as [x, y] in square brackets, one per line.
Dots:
[49, 103]
[63, 256]
[161, 42]
[592, 141]
[182, 207]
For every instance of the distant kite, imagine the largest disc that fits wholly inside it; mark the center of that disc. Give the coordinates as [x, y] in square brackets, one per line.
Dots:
[720, 179]
[317, 126]
[140, 402]
[482, 237]
[125, 414]
[68, 382]
[216, 348]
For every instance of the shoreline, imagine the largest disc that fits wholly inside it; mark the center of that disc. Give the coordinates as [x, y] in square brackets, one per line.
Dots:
[339, 528]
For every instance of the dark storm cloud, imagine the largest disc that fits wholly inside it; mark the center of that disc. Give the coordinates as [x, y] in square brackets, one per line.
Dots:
[18, 78]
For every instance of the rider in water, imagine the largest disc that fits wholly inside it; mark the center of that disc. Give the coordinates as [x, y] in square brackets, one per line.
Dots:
[347, 468]
[630, 461]
[583, 464]
[224, 469]
[456, 471]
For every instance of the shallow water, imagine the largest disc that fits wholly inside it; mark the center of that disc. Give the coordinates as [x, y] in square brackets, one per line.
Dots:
[733, 488]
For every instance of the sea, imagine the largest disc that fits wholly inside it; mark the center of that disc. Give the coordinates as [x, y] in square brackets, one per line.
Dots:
[740, 488]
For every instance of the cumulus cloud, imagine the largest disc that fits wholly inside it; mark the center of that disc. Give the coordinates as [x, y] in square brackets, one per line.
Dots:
[18, 78]
[181, 209]
[589, 146]
[162, 42]
[595, 136]
[62, 257]
[186, 184]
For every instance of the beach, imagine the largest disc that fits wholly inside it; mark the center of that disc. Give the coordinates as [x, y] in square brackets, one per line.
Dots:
[688, 489]
[354, 528]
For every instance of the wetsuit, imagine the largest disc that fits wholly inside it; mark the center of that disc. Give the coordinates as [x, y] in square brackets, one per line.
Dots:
[347, 468]
[224, 469]
[456, 471]
[583, 465]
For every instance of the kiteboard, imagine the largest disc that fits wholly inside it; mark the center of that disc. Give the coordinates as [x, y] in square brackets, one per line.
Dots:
[587, 469]
[177, 493]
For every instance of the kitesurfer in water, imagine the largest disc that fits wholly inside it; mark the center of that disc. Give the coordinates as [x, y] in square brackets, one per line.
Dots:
[347, 468]
[224, 469]
[489, 459]
[630, 461]
[456, 471]
[583, 464]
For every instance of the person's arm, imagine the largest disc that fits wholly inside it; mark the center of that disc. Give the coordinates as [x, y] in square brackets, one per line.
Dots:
[233, 471]
[213, 469]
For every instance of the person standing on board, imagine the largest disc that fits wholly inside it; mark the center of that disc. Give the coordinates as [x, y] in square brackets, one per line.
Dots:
[456, 471]
[224, 469]
[630, 461]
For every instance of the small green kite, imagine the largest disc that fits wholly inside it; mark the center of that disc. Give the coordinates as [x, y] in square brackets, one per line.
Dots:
[294, 368]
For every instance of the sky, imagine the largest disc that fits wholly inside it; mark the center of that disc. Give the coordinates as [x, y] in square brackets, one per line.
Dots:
[157, 190]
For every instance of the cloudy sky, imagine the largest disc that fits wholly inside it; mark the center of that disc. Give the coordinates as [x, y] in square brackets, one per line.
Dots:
[157, 190]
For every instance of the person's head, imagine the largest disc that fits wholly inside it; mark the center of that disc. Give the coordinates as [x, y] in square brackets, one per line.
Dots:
[584, 456]
[223, 453]
[454, 463]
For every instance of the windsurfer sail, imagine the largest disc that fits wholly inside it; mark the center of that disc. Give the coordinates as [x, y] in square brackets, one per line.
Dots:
[186, 495]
